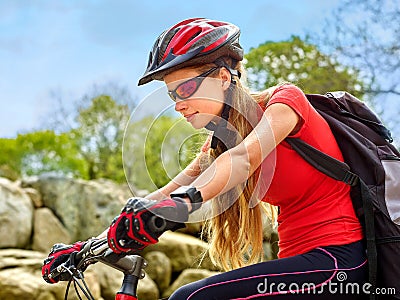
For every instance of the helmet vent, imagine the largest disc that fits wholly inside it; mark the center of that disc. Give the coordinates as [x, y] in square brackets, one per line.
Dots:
[164, 42]
[192, 42]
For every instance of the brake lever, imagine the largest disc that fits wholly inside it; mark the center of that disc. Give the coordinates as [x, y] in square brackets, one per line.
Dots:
[91, 249]
[67, 267]
[57, 271]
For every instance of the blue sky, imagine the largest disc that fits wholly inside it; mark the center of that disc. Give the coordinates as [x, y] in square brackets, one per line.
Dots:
[68, 46]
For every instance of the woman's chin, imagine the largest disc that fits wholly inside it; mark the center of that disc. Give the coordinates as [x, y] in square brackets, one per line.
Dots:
[196, 126]
[198, 123]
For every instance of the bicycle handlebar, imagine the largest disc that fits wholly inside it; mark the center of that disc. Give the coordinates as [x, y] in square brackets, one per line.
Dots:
[97, 250]
[157, 224]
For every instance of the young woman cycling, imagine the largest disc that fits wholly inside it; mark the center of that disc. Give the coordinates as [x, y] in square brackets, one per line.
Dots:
[248, 160]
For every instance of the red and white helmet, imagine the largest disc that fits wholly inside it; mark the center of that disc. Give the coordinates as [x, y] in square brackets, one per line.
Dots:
[191, 42]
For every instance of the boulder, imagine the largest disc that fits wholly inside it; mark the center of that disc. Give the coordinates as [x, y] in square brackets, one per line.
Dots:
[188, 276]
[183, 250]
[147, 289]
[111, 281]
[21, 283]
[16, 215]
[159, 269]
[192, 228]
[48, 230]
[12, 258]
[35, 196]
[85, 208]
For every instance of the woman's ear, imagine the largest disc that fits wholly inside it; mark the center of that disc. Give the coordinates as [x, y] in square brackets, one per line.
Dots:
[225, 77]
[225, 84]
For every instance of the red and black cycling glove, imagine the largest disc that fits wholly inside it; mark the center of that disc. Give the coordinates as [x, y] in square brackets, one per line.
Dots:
[136, 227]
[59, 254]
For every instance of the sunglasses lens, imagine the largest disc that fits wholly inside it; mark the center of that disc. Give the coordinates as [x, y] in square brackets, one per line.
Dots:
[172, 95]
[186, 89]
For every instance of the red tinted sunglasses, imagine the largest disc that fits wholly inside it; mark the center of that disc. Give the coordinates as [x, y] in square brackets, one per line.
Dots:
[189, 87]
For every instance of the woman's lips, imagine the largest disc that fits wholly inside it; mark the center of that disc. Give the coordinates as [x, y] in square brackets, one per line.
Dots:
[189, 117]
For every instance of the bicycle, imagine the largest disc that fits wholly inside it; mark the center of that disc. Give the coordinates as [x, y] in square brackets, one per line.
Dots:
[97, 250]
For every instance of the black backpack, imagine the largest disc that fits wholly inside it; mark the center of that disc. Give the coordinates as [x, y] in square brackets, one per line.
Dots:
[372, 168]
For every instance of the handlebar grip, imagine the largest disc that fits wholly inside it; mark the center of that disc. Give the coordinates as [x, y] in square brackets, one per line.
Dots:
[93, 247]
[157, 224]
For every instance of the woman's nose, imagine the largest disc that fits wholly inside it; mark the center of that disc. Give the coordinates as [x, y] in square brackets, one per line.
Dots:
[180, 105]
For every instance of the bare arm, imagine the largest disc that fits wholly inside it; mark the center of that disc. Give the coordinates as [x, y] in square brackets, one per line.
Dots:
[237, 164]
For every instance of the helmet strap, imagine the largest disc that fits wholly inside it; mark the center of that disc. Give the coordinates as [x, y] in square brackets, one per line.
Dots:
[221, 63]
[221, 133]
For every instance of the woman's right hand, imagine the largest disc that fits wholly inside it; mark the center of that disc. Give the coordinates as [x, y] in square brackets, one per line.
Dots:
[132, 230]
[59, 254]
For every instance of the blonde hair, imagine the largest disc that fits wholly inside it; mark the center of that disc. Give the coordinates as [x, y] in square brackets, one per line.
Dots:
[230, 248]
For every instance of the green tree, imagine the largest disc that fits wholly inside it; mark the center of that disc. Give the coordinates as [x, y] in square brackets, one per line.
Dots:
[92, 150]
[42, 152]
[99, 136]
[157, 149]
[301, 63]
[65, 109]
[10, 159]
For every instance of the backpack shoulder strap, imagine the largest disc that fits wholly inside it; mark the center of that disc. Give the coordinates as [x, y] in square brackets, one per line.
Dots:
[325, 163]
